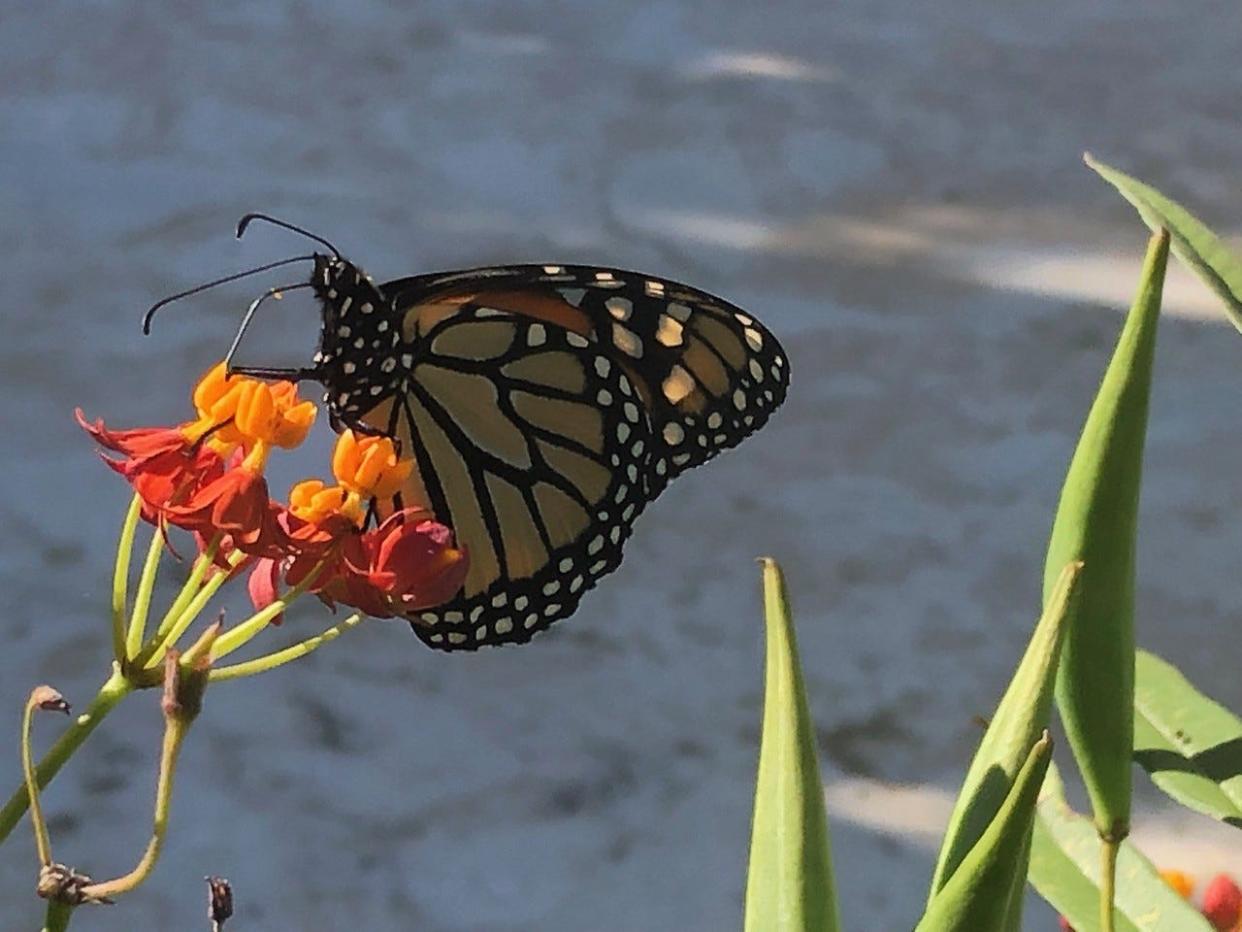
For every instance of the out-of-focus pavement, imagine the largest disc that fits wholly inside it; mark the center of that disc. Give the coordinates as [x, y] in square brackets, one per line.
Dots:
[894, 187]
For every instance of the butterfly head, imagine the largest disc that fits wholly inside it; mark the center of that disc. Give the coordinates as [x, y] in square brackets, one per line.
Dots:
[360, 354]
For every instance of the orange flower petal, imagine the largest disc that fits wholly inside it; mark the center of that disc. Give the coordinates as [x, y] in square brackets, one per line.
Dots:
[1180, 881]
[369, 465]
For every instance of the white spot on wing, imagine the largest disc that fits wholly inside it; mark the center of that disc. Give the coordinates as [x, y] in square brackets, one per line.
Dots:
[669, 331]
[627, 341]
[619, 308]
[677, 384]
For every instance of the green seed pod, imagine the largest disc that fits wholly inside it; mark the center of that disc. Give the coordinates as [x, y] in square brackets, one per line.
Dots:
[979, 895]
[1096, 523]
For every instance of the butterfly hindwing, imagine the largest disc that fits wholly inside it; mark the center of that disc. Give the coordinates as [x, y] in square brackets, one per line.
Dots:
[535, 447]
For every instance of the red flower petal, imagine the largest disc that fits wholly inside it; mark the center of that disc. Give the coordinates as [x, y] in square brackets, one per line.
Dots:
[139, 441]
[413, 561]
[263, 583]
[236, 503]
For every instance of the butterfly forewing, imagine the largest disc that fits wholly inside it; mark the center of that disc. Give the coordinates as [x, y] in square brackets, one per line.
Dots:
[709, 373]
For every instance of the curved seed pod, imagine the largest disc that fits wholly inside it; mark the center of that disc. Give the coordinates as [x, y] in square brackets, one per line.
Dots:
[1096, 523]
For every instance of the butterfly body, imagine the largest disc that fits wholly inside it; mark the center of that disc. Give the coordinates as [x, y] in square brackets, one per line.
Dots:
[544, 406]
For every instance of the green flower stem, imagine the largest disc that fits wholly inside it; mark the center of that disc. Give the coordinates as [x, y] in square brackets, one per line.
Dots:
[241, 634]
[43, 843]
[1108, 881]
[191, 611]
[175, 728]
[188, 591]
[142, 599]
[281, 657]
[57, 919]
[116, 688]
[120, 577]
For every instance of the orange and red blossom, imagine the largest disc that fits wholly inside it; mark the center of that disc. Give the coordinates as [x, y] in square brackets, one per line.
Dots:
[161, 464]
[206, 475]
[407, 562]
[369, 465]
[241, 411]
[412, 561]
[235, 504]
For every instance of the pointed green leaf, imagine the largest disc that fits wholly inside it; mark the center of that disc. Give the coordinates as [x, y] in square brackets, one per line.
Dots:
[1096, 523]
[1065, 869]
[1020, 718]
[789, 885]
[1189, 745]
[979, 893]
[1193, 243]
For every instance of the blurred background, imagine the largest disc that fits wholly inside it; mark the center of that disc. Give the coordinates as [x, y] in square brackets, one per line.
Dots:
[895, 188]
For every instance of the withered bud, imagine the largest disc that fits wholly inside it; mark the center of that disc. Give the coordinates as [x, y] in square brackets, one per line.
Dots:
[170, 704]
[186, 676]
[65, 885]
[49, 700]
[219, 901]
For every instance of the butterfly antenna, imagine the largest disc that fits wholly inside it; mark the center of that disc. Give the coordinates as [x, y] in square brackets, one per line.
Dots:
[146, 318]
[245, 222]
[249, 316]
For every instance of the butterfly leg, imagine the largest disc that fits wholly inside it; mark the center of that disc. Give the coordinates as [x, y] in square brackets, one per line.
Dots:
[264, 372]
[361, 427]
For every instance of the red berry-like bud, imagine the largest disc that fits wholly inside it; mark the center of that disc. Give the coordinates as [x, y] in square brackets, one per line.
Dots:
[1222, 903]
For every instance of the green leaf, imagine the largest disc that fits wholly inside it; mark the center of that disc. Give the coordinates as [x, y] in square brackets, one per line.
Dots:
[1020, 718]
[979, 893]
[789, 886]
[1189, 745]
[1097, 523]
[1193, 242]
[1065, 869]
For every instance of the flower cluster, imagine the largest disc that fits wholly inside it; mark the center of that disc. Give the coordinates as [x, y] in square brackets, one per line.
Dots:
[206, 476]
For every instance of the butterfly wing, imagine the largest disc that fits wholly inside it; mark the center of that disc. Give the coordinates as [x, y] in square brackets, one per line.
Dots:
[545, 407]
[535, 448]
[709, 373]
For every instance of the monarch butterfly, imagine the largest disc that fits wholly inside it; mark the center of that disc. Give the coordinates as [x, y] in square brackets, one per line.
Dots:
[544, 405]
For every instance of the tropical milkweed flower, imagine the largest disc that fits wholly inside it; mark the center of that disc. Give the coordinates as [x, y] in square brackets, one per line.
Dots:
[206, 476]
[411, 559]
[407, 562]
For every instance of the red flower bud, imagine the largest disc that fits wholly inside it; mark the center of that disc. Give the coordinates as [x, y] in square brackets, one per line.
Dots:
[1222, 903]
